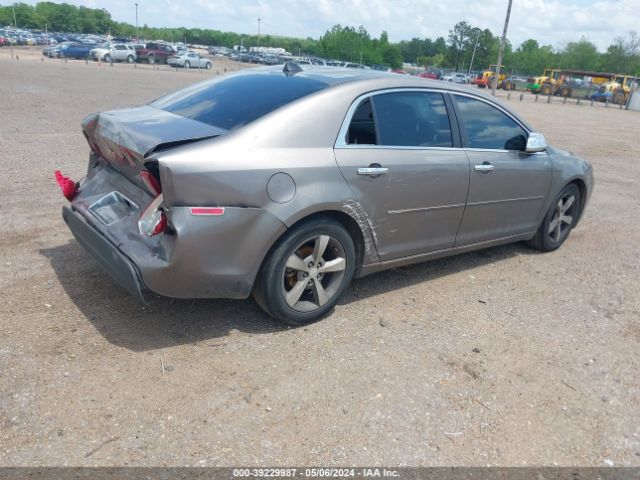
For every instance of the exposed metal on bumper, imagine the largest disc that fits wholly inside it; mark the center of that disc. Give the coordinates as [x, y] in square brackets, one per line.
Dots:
[112, 260]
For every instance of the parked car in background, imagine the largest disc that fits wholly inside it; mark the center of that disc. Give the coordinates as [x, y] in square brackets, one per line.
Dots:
[189, 60]
[455, 78]
[76, 50]
[429, 75]
[116, 52]
[225, 189]
[154, 52]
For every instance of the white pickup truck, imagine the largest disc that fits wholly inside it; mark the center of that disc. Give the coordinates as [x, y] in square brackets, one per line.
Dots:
[114, 52]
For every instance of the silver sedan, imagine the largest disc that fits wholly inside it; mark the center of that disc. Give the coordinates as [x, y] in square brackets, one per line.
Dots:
[288, 182]
[189, 60]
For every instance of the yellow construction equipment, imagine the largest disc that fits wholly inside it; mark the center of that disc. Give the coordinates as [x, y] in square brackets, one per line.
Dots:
[485, 78]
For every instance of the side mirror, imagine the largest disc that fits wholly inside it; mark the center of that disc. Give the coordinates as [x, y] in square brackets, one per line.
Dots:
[536, 143]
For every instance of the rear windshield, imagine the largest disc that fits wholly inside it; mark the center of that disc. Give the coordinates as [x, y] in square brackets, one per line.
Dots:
[235, 101]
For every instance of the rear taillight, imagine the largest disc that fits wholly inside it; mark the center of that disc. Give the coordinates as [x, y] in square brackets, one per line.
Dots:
[153, 220]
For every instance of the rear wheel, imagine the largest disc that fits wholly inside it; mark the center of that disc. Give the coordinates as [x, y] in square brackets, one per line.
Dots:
[560, 219]
[107, 58]
[187, 64]
[564, 91]
[208, 66]
[546, 89]
[619, 98]
[130, 59]
[151, 59]
[303, 277]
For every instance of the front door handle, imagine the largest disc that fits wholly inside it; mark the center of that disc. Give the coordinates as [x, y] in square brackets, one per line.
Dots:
[372, 171]
[485, 167]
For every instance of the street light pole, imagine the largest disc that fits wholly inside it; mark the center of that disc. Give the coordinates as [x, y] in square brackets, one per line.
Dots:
[259, 20]
[502, 42]
[473, 55]
[15, 23]
[137, 29]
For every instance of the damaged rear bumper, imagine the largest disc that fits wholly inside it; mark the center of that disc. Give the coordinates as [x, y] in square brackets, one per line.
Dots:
[112, 260]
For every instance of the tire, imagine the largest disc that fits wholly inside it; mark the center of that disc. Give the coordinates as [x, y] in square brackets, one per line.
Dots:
[546, 89]
[208, 66]
[564, 91]
[619, 98]
[151, 59]
[130, 59]
[554, 230]
[187, 64]
[107, 58]
[287, 285]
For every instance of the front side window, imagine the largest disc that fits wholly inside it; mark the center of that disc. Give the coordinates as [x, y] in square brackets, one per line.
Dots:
[488, 127]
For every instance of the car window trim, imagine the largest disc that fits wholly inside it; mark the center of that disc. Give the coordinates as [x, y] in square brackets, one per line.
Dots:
[463, 129]
[341, 141]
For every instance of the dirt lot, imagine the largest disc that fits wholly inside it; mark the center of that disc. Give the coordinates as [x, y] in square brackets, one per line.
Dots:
[501, 357]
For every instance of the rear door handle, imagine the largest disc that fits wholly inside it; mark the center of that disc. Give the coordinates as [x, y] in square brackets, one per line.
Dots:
[484, 168]
[372, 171]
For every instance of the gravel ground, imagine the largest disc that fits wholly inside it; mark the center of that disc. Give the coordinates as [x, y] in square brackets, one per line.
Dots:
[500, 357]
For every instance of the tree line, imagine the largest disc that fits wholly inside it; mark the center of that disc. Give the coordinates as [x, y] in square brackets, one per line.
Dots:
[463, 44]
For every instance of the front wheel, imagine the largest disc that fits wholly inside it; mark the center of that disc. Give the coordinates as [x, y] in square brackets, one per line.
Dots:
[208, 66]
[107, 58]
[559, 220]
[305, 274]
[130, 59]
[151, 59]
[187, 64]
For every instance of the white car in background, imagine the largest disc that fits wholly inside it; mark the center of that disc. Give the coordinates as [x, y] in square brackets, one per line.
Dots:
[455, 78]
[116, 52]
[189, 60]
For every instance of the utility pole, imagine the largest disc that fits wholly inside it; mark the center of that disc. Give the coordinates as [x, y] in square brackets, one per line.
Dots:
[502, 42]
[137, 29]
[259, 20]
[15, 23]
[473, 55]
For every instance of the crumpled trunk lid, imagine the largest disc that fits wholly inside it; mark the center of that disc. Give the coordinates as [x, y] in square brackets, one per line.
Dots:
[125, 138]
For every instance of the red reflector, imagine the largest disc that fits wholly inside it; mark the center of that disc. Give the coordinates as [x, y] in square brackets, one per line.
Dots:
[207, 210]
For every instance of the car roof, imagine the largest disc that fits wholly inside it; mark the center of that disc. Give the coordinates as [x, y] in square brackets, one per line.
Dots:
[378, 79]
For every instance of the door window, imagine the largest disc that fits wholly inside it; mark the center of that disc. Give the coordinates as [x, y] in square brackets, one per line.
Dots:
[488, 127]
[403, 119]
[412, 119]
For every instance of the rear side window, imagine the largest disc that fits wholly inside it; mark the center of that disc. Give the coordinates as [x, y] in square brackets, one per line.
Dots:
[362, 129]
[231, 102]
[488, 127]
[409, 119]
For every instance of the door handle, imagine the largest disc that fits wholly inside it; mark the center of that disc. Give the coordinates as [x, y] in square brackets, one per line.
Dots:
[484, 167]
[372, 171]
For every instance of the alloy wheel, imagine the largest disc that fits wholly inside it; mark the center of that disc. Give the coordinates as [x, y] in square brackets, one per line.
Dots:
[563, 216]
[313, 273]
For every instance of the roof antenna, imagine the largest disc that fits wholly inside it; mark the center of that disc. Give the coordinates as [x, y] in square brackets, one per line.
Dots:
[291, 68]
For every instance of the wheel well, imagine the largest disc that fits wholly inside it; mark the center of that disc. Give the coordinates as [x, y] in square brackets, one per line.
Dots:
[349, 223]
[345, 220]
[583, 194]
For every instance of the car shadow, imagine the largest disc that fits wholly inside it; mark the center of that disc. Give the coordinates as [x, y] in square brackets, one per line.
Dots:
[125, 321]
[402, 277]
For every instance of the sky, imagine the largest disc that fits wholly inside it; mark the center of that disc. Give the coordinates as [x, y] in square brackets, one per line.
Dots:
[551, 22]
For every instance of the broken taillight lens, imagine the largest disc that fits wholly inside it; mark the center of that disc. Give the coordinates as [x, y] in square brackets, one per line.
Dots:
[69, 187]
[153, 220]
